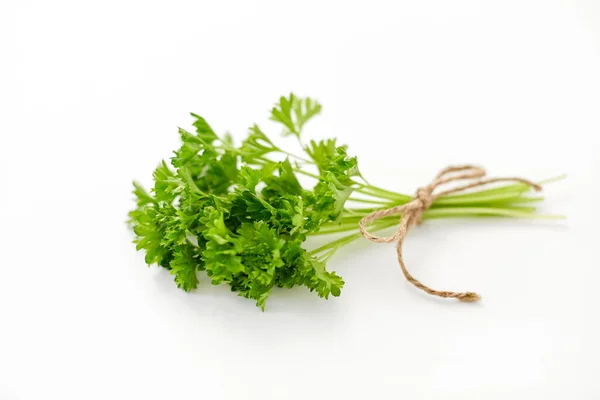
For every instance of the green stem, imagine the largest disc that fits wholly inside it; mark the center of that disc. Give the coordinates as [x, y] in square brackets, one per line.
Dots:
[350, 223]
[306, 173]
[369, 201]
[384, 194]
[552, 180]
[361, 212]
[327, 230]
[296, 157]
[474, 211]
[347, 239]
[367, 190]
[522, 199]
[517, 187]
[512, 196]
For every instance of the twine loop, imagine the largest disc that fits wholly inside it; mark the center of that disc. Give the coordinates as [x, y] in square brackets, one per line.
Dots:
[412, 213]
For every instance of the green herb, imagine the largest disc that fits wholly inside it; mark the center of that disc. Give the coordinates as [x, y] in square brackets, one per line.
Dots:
[240, 213]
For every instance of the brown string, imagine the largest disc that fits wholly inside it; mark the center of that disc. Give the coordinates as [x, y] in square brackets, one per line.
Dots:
[412, 213]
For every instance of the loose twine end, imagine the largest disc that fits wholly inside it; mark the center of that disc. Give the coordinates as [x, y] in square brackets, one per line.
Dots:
[412, 212]
[469, 297]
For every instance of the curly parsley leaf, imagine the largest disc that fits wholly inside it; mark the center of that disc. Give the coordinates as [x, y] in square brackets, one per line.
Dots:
[294, 112]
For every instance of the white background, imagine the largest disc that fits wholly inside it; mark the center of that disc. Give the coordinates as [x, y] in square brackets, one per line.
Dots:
[91, 94]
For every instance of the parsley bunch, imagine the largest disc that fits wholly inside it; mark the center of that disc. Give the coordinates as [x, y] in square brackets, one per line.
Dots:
[243, 217]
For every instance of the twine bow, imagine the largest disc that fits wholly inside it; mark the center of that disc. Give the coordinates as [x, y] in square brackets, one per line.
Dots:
[412, 213]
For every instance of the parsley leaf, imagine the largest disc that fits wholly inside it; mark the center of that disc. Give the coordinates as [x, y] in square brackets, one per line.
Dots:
[293, 112]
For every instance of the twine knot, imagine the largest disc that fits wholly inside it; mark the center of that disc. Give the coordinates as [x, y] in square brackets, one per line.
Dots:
[421, 202]
[412, 213]
[424, 197]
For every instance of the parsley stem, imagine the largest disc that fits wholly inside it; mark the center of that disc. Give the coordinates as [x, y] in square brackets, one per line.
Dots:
[300, 171]
[517, 187]
[489, 198]
[336, 244]
[367, 189]
[349, 223]
[297, 157]
[369, 201]
[553, 179]
[375, 191]
[485, 211]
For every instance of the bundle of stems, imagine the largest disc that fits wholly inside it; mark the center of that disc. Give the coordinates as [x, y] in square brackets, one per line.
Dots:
[508, 200]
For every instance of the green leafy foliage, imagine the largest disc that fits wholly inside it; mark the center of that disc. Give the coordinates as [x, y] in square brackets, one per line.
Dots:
[238, 216]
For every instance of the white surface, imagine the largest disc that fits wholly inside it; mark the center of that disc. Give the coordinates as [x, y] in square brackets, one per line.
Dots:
[91, 95]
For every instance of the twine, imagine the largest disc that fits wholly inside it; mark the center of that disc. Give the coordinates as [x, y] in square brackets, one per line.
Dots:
[412, 213]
